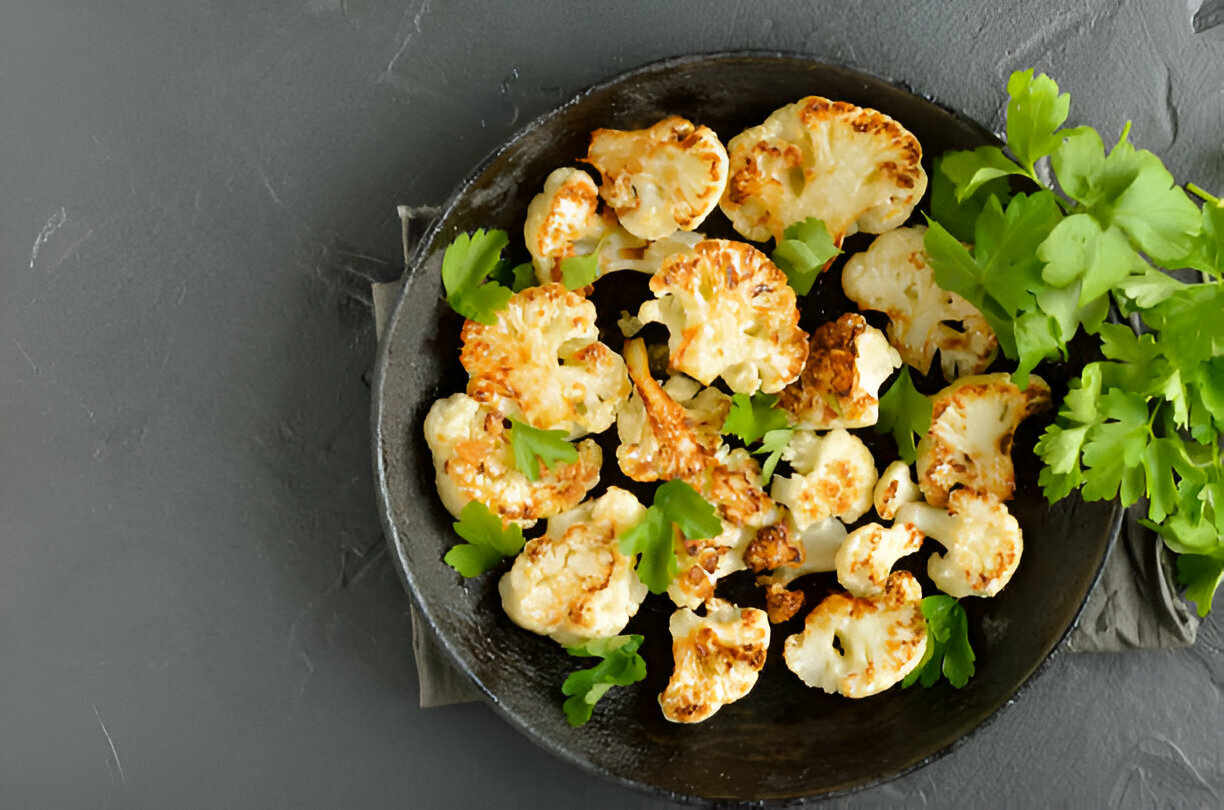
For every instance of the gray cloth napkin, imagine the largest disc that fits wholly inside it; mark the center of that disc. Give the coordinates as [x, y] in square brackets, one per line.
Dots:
[1135, 604]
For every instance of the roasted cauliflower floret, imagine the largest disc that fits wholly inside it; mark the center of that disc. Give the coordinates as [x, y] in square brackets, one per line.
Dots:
[718, 658]
[542, 362]
[817, 545]
[854, 168]
[660, 179]
[893, 276]
[564, 220]
[861, 646]
[662, 438]
[868, 554]
[730, 314]
[970, 440]
[702, 562]
[474, 461]
[573, 583]
[983, 540]
[848, 360]
[835, 476]
[894, 488]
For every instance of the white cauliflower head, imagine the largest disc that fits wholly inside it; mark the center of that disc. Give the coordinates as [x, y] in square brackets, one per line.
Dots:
[894, 488]
[868, 554]
[667, 177]
[730, 314]
[573, 583]
[881, 640]
[854, 168]
[662, 439]
[835, 477]
[702, 562]
[542, 362]
[969, 444]
[894, 276]
[848, 360]
[564, 220]
[473, 461]
[983, 542]
[717, 659]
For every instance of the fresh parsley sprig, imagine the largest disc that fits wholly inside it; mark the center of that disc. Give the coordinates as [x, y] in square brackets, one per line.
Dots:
[533, 445]
[947, 650]
[1046, 263]
[478, 282]
[905, 413]
[758, 418]
[488, 541]
[676, 507]
[804, 253]
[621, 666]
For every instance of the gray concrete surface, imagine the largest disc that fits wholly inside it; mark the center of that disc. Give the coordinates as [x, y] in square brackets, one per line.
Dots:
[196, 609]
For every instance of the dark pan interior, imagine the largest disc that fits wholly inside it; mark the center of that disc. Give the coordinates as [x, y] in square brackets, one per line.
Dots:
[783, 741]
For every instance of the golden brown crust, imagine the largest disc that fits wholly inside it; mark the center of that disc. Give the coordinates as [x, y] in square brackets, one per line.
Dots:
[827, 385]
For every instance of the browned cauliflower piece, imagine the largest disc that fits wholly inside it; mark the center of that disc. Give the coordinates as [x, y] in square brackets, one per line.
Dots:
[542, 362]
[848, 360]
[663, 439]
[702, 562]
[730, 314]
[895, 487]
[854, 168]
[718, 658]
[564, 220]
[817, 547]
[861, 646]
[834, 477]
[983, 540]
[969, 444]
[473, 461]
[868, 554]
[573, 583]
[894, 276]
[667, 177]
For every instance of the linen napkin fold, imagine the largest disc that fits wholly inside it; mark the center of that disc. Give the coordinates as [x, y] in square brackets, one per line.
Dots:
[1135, 604]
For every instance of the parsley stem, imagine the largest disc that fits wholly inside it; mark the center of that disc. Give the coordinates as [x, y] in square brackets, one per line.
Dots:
[1206, 196]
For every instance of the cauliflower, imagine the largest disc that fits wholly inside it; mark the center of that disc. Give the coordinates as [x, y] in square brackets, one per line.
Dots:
[730, 313]
[893, 276]
[868, 554]
[473, 461]
[855, 169]
[847, 362]
[573, 583]
[718, 658]
[969, 443]
[836, 475]
[657, 250]
[702, 562]
[818, 545]
[894, 488]
[564, 220]
[542, 362]
[861, 646]
[660, 179]
[983, 540]
[662, 438]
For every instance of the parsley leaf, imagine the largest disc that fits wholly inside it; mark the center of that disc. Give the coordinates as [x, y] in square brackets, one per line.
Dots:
[1035, 112]
[466, 264]
[1201, 575]
[677, 506]
[947, 649]
[621, 666]
[532, 445]
[904, 413]
[773, 443]
[488, 541]
[953, 204]
[803, 254]
[579, 271]
[517, 278]
[751, 418]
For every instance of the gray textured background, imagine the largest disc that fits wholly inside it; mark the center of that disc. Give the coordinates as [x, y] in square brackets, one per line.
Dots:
[196, 609]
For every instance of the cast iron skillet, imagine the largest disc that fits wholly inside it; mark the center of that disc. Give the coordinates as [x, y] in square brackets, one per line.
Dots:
[784, 741]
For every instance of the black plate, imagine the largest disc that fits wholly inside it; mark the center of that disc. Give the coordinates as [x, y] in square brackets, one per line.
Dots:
[784, 741]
